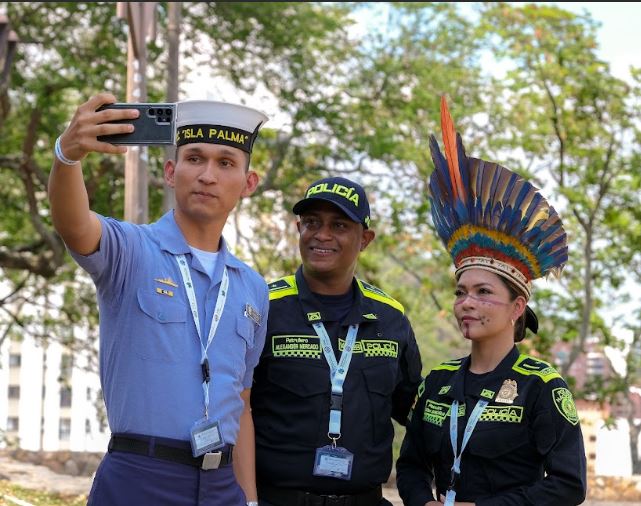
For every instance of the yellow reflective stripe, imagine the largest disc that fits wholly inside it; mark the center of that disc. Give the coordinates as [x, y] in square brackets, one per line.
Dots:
[279, 293]
[543, 370]
[381, 297]
[448, 366]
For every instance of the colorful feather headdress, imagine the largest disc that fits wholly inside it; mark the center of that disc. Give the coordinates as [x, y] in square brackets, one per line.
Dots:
[489, 217]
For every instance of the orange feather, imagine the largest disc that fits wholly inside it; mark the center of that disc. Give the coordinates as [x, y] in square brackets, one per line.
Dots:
[451, 153]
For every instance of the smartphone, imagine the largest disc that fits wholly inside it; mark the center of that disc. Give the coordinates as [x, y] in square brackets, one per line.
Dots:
[155, 126]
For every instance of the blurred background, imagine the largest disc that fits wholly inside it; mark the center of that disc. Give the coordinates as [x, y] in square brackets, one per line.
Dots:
[550, 91]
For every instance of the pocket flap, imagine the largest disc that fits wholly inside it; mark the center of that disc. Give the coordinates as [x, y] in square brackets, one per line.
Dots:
[498, 441]
[303, 380]
[161, 308]
[245, 329]
[380, 378]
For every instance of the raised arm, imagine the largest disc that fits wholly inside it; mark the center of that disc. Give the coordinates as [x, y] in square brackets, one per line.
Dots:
[72, 218]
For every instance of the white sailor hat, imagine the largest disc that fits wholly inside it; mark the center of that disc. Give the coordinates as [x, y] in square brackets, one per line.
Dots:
[218, 123]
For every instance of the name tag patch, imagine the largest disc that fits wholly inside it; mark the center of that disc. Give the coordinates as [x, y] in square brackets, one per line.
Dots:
[296, 346]
[436, 412]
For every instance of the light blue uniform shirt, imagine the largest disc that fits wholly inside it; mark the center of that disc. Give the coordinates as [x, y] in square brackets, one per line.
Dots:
[149, 352]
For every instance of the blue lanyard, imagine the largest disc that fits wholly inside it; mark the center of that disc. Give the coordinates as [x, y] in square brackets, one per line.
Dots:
[218, 311]
[471, 424]
[338, 373]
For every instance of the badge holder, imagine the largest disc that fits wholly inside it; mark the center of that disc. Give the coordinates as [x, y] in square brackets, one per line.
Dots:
[205, 437]
[333, 461]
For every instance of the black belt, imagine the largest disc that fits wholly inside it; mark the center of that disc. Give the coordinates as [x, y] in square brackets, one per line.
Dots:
[169, 449]
[289, 497]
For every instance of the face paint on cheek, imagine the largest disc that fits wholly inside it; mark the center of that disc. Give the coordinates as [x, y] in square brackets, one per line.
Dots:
[491, 302]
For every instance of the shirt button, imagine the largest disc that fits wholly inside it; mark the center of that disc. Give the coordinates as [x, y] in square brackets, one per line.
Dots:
[161, 316]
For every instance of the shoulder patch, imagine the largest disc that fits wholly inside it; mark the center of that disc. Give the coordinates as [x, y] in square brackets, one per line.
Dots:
[419, 392]
[565, 404]
[529, 366]
[450, 365]
[376, 293]
[282, 287]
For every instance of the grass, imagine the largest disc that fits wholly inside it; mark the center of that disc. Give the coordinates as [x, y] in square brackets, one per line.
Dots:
[37, 498]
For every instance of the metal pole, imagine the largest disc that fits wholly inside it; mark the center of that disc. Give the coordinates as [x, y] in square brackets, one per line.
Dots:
[136, 177]
[173, 29]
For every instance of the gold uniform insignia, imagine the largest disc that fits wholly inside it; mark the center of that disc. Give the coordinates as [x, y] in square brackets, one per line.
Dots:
[507, 393]
[166, 281]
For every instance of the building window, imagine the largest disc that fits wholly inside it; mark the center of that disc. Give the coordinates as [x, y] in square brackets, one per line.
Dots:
[88, 393]
[15, 359]
[13, 424]
[87, 427]
[64, 431]
[65, 397]
[66, 363]
[14, 392]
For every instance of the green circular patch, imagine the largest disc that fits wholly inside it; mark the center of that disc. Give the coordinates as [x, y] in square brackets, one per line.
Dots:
[565, 404]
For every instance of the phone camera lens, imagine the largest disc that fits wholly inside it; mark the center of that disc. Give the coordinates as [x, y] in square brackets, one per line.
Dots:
[168, 112]
[152, 112]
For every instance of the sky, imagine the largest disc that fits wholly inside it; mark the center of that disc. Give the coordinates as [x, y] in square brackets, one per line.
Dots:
[619, 35]
[619, 38]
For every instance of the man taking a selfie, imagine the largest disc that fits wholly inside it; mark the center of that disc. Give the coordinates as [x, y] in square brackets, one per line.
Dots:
[182, 321]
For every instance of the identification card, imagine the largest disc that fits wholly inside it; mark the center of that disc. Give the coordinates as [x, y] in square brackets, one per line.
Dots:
[335, 462]
[205, 437]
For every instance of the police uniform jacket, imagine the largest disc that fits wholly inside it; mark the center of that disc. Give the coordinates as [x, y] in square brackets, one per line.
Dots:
[291, 392]
[526, 449]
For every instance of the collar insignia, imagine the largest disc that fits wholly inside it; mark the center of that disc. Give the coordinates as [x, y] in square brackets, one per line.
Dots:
[313, 317]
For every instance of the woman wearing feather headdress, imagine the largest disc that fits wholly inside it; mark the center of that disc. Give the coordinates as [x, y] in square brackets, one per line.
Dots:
[497, 427]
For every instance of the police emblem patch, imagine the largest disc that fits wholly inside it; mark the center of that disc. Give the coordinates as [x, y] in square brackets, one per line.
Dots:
[565, 404]
[313, 316]
[508, 392]
[488, 394]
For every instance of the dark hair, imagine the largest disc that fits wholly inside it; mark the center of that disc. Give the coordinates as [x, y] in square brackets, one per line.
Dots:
[527, 320]
[247, 157]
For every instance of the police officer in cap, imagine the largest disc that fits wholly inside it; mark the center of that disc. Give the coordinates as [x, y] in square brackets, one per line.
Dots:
[340, 361]
[182, 321]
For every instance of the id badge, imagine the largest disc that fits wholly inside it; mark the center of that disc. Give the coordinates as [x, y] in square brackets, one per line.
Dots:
[205, 437]
[335, 462]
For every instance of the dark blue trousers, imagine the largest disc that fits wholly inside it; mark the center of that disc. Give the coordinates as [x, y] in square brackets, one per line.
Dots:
[125, 479]
[261, 502]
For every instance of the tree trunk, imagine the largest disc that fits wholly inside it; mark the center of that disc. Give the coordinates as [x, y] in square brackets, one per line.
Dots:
[635, 430]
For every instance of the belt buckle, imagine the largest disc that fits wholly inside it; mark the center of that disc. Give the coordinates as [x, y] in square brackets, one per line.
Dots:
[211, 460]
[334, 500]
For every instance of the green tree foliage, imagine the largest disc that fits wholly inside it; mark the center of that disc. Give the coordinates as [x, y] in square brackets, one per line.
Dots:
[572, 123]
[577, 128]
[359, 104]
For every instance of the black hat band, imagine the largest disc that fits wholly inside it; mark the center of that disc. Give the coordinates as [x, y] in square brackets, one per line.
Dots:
[216, 134]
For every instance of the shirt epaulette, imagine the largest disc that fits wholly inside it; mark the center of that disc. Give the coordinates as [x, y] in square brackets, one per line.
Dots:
[376, 293]
[450, 365]
[282, 287]
[530, 366]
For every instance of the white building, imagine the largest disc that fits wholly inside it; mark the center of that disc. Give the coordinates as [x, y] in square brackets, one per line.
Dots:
[48, 399]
